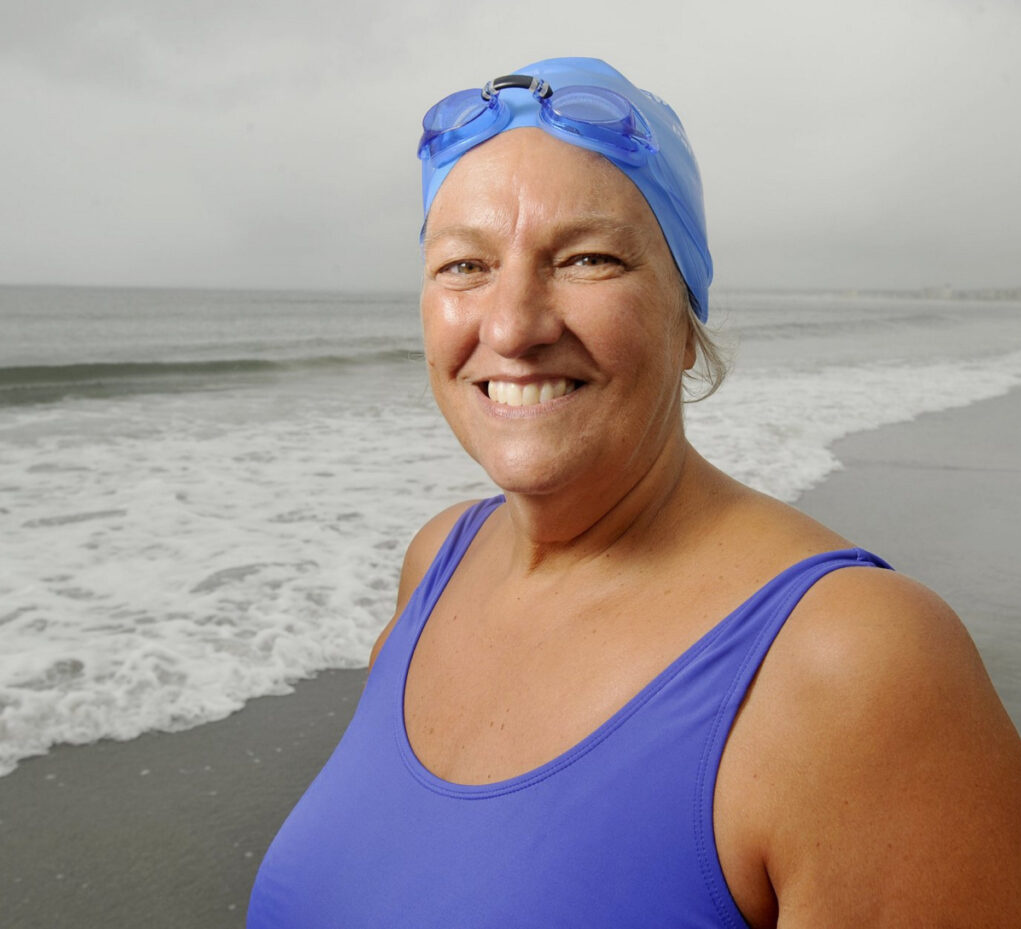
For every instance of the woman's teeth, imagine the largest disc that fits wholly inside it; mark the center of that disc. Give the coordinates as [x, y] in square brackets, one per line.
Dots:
[514, 394]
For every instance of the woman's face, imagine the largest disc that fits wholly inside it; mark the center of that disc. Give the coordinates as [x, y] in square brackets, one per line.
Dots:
[554, 316]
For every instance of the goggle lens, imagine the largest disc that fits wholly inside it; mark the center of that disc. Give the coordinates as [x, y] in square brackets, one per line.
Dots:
[454, 111]
[583, 104]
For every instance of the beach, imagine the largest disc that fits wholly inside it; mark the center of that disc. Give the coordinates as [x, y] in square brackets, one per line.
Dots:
[167, 829]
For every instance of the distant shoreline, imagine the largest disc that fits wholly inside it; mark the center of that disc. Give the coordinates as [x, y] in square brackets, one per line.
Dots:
[1007, 293]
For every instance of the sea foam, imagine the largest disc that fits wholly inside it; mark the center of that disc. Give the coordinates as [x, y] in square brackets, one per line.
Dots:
[774, 429]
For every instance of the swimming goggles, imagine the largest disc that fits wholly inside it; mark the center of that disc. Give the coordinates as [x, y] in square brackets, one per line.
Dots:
[592, 117]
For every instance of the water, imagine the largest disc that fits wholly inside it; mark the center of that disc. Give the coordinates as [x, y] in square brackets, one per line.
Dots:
[206, 495]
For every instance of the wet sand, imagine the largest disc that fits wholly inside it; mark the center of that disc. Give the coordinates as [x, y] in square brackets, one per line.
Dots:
[167, 830]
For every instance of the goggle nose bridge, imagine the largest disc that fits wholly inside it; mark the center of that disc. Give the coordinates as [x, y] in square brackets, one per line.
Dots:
[534, 85]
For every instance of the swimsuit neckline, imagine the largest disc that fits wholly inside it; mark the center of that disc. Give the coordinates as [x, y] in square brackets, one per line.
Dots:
[535, 775]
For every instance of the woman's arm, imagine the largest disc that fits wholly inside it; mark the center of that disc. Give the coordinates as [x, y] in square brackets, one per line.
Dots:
[894, 771]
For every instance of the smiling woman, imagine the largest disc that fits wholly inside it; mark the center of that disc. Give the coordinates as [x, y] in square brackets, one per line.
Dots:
[631, 691]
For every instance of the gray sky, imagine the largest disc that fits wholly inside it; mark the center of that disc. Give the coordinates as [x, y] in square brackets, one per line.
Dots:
[846, 144]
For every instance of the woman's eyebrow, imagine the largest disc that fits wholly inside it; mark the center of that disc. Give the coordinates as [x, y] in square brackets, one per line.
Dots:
[462, 231]
[623, 233]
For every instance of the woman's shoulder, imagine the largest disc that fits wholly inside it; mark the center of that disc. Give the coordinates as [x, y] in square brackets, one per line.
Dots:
[859, 615]
[862, 640]
[885, 737]
[865, 630]
[420, 554]
[760, 536]
[424, 547]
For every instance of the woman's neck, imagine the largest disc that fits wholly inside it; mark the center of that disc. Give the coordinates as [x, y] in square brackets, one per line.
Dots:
[671, 498]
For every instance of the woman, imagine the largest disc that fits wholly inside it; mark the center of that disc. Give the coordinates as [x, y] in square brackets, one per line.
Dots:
[633, 692]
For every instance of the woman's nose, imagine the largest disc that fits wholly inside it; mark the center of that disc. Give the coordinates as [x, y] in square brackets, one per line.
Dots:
[520, 312]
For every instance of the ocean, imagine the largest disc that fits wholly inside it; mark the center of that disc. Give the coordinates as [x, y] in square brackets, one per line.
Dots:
[206, 495]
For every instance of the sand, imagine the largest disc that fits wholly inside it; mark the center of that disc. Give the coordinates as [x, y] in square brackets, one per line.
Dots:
[167, 830]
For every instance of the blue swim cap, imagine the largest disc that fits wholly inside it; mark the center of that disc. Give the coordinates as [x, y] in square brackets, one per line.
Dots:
[667, 176]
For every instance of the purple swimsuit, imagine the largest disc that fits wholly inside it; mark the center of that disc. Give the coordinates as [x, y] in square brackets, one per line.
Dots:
[615, 832]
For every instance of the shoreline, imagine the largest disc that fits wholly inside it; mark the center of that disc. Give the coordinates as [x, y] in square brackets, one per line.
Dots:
[169, 828]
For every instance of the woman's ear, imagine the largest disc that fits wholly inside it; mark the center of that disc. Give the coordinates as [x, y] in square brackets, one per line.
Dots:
[690, 350]
[691, 334]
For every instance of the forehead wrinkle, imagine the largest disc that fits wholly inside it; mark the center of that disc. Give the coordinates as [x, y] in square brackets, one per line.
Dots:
[563, 232]
[599, 225]
[480, 226]
[511, 188]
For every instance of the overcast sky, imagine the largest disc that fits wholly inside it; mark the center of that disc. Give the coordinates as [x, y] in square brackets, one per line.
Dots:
[256, 144]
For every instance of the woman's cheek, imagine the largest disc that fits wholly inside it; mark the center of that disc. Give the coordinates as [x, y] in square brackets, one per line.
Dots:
[449, 329]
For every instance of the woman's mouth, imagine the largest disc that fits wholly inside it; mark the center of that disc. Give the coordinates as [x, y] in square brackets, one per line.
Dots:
[510, 393]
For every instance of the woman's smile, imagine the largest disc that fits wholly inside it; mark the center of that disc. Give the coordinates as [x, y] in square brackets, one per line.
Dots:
[530, 393]
[554, 317]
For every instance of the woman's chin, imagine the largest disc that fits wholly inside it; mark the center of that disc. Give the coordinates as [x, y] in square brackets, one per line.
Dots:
[528, 476]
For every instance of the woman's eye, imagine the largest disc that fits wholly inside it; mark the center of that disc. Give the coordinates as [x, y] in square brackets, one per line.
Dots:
[462, 267]
[593, 261]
